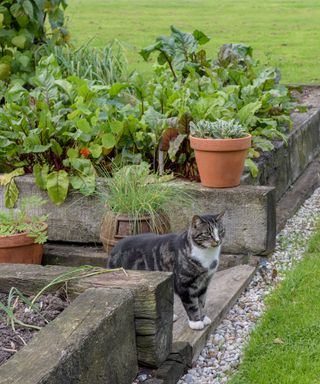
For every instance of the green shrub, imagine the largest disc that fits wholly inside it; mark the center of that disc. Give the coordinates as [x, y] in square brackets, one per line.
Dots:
[57, 131]
[23, 29]
[231, 86]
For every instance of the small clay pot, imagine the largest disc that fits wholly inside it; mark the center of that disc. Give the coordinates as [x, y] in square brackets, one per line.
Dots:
[220, 161]
[20, 249]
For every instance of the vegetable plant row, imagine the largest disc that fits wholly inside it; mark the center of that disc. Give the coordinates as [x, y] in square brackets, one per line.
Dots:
[66, 130]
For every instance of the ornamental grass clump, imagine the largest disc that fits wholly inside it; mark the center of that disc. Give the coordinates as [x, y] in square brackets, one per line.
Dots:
[134, 190]
[219, 129]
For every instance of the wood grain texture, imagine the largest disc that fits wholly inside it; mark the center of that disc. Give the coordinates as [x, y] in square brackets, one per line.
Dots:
[75, 347]
[153, 300]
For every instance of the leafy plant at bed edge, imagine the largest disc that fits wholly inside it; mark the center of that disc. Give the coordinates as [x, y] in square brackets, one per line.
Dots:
[64, 128]
[58, 131]
[20, 220]
[230, 87]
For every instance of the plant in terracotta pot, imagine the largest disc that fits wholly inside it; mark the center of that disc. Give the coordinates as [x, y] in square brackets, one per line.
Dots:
[136, 201]
[22, 234]
[221, 148]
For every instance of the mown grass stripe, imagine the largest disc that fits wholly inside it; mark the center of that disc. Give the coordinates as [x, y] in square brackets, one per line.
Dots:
[285, 346]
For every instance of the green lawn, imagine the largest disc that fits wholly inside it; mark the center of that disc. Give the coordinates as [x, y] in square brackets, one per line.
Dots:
[285, 33]
[285, 347]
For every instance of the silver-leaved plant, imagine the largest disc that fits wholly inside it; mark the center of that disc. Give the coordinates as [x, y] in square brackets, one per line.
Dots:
[219, 129]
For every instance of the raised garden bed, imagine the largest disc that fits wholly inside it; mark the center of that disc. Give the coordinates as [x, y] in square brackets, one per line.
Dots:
[12, 340]
[152, 302]
[75, 347]
[250, 209]
[283, 166]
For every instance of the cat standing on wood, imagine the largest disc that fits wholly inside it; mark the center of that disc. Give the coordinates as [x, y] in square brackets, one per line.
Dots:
[192, 256]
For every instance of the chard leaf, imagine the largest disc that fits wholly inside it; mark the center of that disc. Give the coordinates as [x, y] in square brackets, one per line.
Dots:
[19, 41]
[116, 88]
[252, 167]
[246, 114]
[41, 175]
[84, 126]
[174, 146]
[56, 147]
[57, 186]
[11, 194]
[185, 41]
[28, 8]
[154, 118]
[262, 143]
[85, 184]
[201, 37]
[96, 150]
[108, 140]
[7, 177]
[267, 78]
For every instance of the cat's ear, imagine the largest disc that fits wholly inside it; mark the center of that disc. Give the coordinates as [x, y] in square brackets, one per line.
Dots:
[196, 221]
[220, 215]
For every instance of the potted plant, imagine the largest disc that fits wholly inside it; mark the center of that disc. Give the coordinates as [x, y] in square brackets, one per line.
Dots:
[21, 234]
[136, 201]
[220, 148]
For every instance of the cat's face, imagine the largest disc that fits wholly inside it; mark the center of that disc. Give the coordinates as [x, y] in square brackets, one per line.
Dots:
[207, 231]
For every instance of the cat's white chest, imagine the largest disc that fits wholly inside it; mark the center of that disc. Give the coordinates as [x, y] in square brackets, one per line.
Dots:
[207, 256]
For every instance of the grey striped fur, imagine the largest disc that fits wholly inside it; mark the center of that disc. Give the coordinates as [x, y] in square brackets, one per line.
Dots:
[181, 254]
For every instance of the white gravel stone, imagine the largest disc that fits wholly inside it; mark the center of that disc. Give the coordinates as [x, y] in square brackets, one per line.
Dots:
[221, 356]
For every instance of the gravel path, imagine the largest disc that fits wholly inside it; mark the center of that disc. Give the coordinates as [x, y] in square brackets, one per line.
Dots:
[222, 354]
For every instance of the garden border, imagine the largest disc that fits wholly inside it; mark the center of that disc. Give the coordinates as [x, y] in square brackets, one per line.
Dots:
[73, 347]
[152, 292]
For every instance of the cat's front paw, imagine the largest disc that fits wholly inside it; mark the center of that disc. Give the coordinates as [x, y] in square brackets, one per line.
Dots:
[175, 317]
[206, 320]
[198, 325]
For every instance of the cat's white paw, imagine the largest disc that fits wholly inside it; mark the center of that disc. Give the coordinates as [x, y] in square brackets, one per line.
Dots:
[196, 324]
[206, 320]
[175, 317]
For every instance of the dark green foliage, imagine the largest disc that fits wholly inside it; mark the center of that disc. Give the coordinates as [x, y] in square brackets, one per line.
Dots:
[232, 86]
[180, 51]
[67, 127]
[23, 30]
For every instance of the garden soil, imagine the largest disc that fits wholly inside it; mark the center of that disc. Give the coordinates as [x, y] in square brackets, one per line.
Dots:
[49, 306]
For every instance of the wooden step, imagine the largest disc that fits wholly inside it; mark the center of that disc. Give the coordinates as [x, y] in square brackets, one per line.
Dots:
[225, 287]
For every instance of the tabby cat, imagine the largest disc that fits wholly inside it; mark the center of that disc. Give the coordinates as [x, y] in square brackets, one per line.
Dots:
[192, 256]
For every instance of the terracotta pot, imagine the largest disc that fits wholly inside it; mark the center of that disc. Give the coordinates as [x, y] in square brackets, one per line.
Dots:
[115, 227]
[20, 249]
[220, 161]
